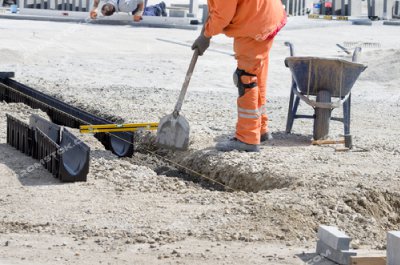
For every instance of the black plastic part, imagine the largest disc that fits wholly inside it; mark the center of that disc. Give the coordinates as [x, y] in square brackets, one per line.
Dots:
[74, 158]
[121, 144]
[118, 143]
[19, 135]
[50, 129]
[68, 161]
[238, 81]
[48, 152]
[5, 75]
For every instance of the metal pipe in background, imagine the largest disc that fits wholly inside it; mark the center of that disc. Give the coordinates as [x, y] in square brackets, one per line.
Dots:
[292, 7]
[205, 14]
[287, 3]
[343, 10]
[388, 9]
[194, 8]
[396, 9]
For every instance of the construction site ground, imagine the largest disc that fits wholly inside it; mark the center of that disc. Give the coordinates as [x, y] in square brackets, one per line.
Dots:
[146, 210]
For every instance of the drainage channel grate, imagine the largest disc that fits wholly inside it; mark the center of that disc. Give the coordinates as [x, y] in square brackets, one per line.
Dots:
[57, 150]
[121, 143]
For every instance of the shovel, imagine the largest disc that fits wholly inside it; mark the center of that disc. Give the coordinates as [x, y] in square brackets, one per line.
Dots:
[173, 129]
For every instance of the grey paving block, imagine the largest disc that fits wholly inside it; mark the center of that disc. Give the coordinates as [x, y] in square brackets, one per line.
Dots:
[334, 238]
[341, 257]
[393, 248]
[392, 22]
[177, 13]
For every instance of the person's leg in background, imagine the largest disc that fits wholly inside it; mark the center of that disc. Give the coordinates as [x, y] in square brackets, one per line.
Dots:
[156, 10]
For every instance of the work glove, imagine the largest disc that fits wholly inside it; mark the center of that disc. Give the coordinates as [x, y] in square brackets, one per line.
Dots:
[93, 14]
[138, 15]
[137, 18]
[201, 43]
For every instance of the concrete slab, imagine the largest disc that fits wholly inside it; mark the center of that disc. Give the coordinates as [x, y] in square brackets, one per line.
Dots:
[393, 247]
[177, 13]
[392, 22]
[339, 256]
[117, 19]
[334, 238]
[144, 23]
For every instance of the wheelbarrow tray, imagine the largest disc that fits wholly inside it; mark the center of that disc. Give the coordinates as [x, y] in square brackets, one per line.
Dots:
[313, 74]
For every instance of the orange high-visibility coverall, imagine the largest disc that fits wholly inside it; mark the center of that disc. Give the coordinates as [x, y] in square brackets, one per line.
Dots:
[253, 24]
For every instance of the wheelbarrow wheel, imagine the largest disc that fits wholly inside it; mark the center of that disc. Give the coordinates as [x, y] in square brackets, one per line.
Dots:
[322, 116]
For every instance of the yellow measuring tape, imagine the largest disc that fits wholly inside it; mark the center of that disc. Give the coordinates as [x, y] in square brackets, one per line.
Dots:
[128, 127]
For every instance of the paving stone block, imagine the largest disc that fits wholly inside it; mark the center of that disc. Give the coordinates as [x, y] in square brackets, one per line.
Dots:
[393, 248]
[334, 238]
[177, 13]
[341, 257]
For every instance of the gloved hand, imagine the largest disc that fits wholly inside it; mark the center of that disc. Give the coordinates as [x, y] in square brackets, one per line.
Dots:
[138, 15]
[201, 43]
[137, 18]
[93, 14]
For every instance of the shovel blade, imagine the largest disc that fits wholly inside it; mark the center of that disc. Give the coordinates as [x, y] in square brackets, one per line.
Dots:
[173, 132]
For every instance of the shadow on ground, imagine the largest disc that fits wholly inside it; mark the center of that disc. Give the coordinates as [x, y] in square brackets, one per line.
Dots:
[28, 170]
[314, 259]
[281, 139]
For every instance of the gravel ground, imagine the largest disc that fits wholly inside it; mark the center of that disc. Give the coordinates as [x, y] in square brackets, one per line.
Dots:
[150, 211]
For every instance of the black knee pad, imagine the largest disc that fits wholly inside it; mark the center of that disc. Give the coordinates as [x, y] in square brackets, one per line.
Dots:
[237, 80]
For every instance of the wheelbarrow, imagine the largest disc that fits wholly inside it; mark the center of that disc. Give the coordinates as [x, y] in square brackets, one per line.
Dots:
[317, 81]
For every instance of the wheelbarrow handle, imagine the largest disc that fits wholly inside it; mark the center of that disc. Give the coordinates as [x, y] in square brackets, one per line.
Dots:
[185, 85]
[291, 47]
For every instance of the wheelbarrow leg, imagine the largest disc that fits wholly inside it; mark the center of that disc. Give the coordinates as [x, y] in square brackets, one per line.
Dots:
[348, 139]
[346, 115]
[293, 98]
[290, 118]
[293, 105]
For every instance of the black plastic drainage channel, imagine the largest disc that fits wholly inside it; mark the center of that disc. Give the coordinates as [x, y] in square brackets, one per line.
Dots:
[60, 152]
[61, 113]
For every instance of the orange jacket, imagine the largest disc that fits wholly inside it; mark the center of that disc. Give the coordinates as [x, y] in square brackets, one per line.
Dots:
[258, 19]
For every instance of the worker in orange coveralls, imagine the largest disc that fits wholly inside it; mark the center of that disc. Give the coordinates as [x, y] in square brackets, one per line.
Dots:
[253, 24]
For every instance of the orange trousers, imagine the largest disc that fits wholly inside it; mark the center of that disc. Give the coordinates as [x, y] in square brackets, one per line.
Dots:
[252, 56]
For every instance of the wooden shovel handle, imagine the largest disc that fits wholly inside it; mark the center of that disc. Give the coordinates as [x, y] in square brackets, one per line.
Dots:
[185, 85]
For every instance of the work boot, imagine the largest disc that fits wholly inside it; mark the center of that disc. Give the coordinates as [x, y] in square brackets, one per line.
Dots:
[163, 7]
[266, 137]
[235, 144]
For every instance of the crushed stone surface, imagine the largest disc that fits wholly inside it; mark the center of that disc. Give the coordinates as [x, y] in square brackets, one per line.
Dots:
[261, 208]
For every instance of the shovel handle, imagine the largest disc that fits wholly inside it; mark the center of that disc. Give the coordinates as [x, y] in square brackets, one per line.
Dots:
[185, 85]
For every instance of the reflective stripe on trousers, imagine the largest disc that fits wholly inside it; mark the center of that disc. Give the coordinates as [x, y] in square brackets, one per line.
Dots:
[249, 113]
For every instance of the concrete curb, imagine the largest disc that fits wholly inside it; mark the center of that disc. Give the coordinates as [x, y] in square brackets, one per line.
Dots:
[98, 22]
